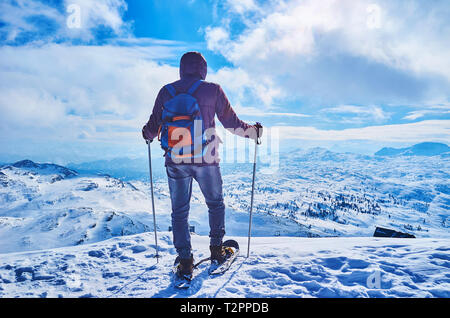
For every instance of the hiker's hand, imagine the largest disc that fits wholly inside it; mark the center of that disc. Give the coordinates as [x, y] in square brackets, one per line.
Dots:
[145, 134]
[259, 131]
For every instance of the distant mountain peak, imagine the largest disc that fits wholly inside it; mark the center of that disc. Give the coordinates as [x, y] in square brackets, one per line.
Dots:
[44, 168]
[421, 149]
[25, 164]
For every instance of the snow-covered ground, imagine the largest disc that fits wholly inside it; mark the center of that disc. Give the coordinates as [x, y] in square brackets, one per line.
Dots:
[277, 267]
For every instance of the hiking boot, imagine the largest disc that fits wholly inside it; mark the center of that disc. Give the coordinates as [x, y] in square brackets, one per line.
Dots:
[218, 254]
[185, 267]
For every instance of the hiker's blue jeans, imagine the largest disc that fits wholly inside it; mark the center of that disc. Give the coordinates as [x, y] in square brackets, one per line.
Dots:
[180, 185]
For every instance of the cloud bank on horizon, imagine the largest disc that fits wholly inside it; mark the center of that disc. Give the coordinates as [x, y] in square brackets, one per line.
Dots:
[326, 71]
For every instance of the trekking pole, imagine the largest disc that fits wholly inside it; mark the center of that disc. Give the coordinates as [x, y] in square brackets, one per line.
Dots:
[153, 199]
[257, 142]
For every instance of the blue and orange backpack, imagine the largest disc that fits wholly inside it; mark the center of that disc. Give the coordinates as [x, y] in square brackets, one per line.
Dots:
[182, 130]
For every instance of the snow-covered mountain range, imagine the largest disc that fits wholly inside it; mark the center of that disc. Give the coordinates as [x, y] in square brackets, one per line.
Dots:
[344, 194]
[314, 193]
[422, 149]
[47, 206]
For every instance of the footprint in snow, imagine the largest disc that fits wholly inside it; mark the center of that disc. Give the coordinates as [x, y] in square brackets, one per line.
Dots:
[24, 273]
[354, 278]
[282, 281]
[312, 286]
[444, 257]
[124, 258]
[333, 263]
[98, 254]
[138, 249]
[259, 274]
[358, 263]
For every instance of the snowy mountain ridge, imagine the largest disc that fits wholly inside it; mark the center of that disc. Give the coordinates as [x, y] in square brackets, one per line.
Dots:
[47, 205]
[422, 149]
[344, 194]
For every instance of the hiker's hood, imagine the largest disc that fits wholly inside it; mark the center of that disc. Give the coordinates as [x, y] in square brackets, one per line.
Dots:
[193, 64]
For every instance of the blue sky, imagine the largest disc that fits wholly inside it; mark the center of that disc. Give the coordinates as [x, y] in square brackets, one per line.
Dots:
[348, 75]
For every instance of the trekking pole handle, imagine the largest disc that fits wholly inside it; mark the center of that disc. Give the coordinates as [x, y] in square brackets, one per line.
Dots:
[258, 126]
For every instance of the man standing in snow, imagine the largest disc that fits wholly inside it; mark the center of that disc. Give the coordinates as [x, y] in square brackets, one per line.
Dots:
[212, 101]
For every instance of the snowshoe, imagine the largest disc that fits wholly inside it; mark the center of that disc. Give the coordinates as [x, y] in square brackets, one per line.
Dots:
[183, 270]
[222, 259]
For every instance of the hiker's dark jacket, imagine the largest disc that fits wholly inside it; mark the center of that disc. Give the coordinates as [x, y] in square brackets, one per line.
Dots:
[211, 99]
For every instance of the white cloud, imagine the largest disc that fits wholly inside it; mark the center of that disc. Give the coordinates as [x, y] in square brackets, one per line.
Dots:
[431, 110]
[59, 91]
[216, 38]
[358, 114]
[238, 83]
[96, 13]
[16, 14]
[430, 130]
[242, 6]
[61, 100]
[299, 28]
[334, 49]
[258, 112]
[20, 17]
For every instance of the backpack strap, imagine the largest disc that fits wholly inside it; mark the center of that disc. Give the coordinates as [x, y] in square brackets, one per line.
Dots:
[171, 90]
[194, 87]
